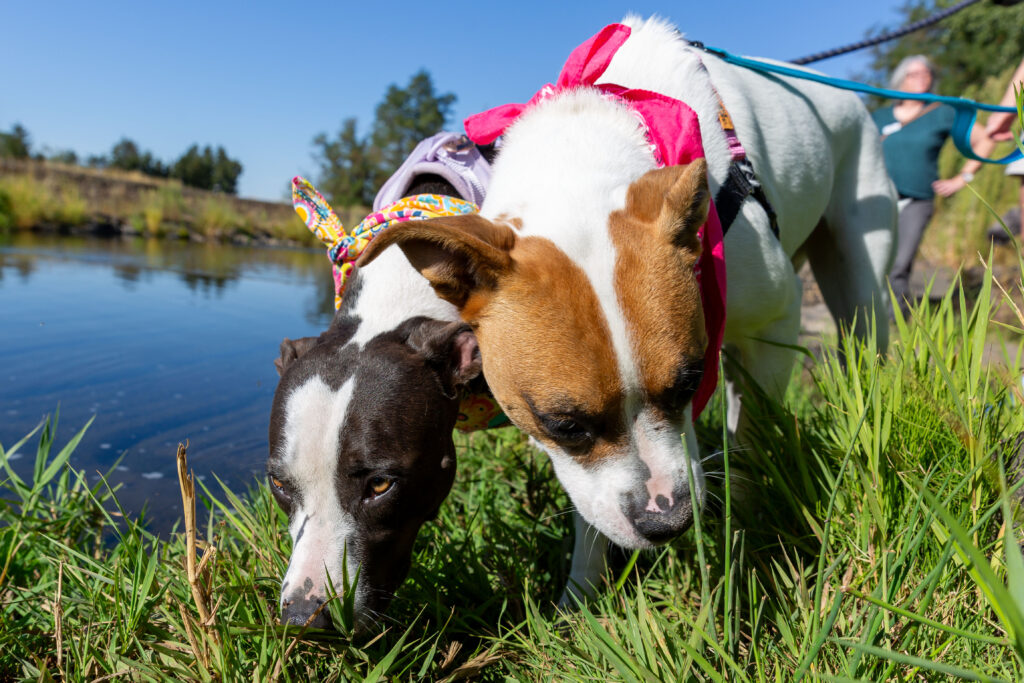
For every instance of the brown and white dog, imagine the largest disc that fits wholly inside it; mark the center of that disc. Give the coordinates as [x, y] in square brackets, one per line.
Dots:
[577, 276]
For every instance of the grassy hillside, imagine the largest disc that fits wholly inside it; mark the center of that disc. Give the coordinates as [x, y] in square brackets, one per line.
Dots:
[49, 195]
[865, 534]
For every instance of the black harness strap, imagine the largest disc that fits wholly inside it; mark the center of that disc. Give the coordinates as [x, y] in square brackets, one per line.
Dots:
[742, 183]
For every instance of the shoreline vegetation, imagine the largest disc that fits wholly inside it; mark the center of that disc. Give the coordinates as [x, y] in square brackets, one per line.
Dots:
[869, 532]
[51, 196]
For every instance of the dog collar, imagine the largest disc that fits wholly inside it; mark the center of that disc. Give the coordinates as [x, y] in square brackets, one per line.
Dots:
[476, 411]
[673, 132]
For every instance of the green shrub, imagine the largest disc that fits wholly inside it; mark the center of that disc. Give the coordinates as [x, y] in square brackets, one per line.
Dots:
[171, 202]
[218, 217]
[6, 213]
[31, 202]
[137, 222]
[153, 218]
[161, 207]
[69, 208]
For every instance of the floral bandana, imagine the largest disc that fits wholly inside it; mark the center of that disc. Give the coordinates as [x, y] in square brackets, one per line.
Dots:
[343, 248]
[476, 411]
[673, 132]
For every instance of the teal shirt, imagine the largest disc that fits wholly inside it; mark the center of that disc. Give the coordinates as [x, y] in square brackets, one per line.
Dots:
[912, 151]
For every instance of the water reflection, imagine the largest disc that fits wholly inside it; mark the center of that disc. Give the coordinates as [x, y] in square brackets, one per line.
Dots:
[23, 266]
[162, 341]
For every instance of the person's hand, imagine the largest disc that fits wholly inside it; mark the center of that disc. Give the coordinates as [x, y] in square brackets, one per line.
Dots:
[998, 125]
[950, 186]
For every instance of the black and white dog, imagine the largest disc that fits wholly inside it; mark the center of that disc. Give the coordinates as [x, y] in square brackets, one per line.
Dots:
[361, 450]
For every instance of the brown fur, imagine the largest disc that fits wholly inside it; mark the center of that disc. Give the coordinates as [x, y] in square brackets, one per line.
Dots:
[458, 254]
[656, 245]
[518, 293]
[546, 301]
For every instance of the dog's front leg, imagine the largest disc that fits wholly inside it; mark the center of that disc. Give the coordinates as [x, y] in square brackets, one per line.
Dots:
[588, 563]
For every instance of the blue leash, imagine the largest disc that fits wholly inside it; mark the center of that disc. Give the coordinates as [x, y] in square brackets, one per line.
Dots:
[966, 110]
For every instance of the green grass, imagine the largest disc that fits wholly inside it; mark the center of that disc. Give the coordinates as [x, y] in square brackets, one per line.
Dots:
[219, 217]
[863, 536]
[28, 202]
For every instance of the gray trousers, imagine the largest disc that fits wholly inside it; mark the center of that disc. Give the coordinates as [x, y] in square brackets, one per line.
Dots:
[914, 217]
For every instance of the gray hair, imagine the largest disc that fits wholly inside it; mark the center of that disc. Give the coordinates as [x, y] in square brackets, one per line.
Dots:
[899, 74]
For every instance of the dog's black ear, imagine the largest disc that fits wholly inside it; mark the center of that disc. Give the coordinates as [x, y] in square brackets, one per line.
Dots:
[451, 349]
[291, 351]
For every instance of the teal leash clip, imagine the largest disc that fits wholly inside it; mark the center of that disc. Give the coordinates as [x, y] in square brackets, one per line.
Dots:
[966, 110]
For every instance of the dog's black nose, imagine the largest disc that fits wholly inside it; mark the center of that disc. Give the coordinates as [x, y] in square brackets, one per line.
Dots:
[298, 611]
[660, 521]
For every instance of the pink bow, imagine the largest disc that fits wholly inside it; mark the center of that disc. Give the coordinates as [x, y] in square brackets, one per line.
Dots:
[674, 133]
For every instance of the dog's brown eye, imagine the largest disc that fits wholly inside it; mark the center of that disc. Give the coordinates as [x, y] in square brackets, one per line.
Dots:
[380, 485]
[281, 494]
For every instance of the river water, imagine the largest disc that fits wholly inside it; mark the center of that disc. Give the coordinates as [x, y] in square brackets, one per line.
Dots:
[161, 342]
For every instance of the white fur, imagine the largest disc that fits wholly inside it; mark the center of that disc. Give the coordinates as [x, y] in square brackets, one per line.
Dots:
[319, 527]
[393, 291]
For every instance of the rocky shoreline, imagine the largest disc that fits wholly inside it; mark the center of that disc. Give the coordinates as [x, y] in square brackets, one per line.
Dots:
[111, 227]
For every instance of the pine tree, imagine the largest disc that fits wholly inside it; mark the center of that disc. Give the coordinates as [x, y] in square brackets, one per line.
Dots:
[352, 168]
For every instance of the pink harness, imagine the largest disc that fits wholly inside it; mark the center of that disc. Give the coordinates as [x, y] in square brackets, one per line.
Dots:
[674, 134]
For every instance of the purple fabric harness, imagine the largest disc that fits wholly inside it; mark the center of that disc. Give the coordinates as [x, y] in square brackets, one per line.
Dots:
[449, 155]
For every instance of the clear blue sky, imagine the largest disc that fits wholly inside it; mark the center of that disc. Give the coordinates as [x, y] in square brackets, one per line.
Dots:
[263, 78]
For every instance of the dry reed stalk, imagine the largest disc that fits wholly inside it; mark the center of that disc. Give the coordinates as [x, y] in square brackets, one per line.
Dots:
[200, 591]
[199, 652]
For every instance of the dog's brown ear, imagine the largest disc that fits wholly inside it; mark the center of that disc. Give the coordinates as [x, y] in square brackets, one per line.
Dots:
[677, 198]
[451, 349]
[291, 351]
[459, 255]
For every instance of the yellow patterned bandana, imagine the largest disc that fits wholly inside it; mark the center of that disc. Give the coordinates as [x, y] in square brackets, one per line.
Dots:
[343, 248]
[476, 411]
